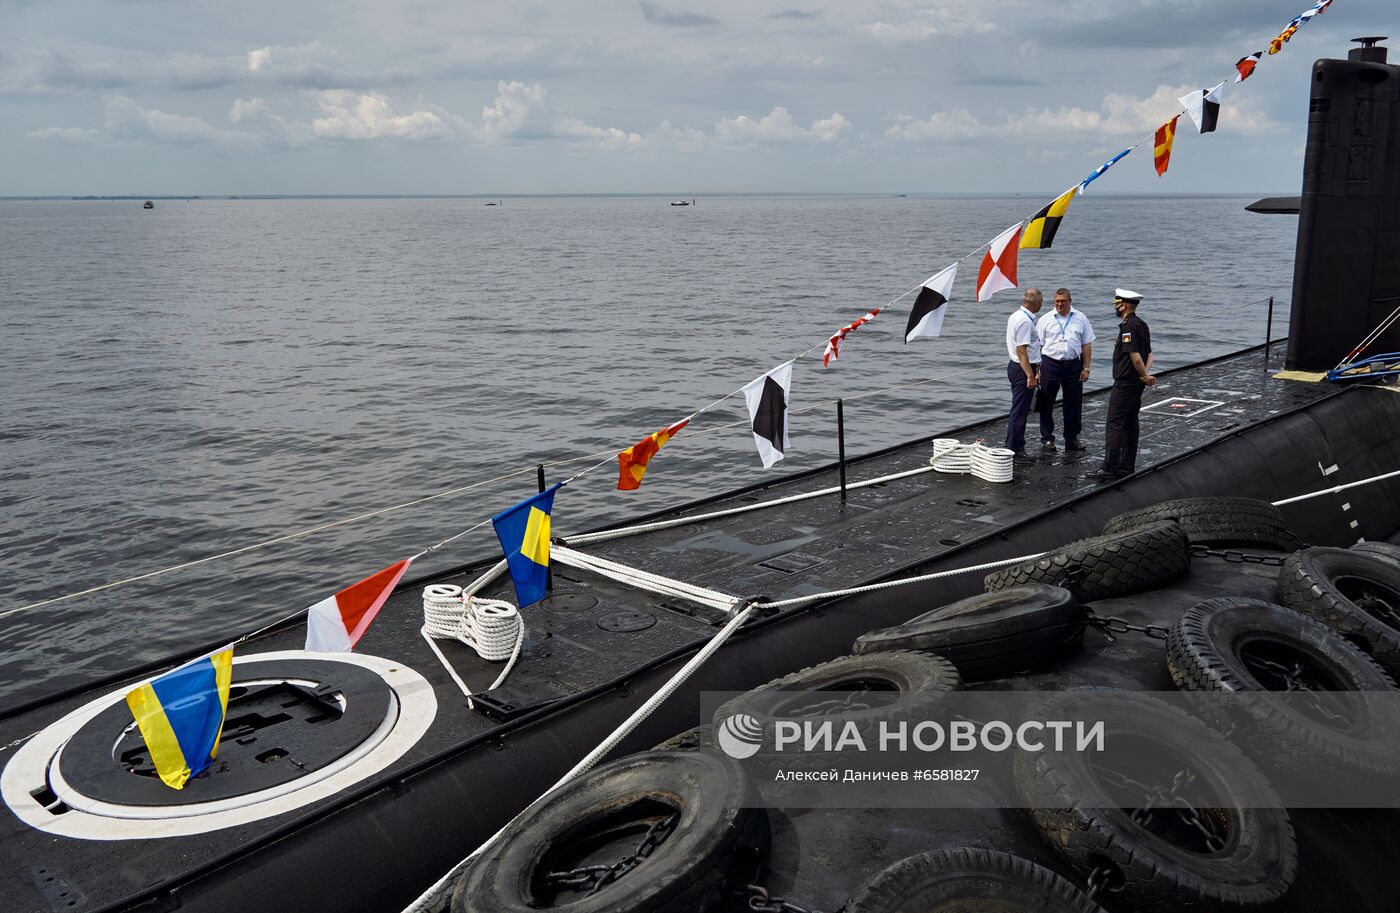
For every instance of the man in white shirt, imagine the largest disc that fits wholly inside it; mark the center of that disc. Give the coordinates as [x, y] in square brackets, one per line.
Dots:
[1023, 368]
[1066, 348]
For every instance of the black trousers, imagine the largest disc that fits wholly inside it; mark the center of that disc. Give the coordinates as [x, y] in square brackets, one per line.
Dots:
[1021, 397]
[1121, 438]
[1055, 374]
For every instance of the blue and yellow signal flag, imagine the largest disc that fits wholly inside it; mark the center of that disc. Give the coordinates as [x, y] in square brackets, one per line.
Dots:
[524, 534]
[181, 715]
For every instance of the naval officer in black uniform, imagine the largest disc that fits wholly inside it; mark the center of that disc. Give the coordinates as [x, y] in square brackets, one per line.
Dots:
[1132, 373]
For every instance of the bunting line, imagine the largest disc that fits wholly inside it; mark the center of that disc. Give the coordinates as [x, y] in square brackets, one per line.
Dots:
[768, 396]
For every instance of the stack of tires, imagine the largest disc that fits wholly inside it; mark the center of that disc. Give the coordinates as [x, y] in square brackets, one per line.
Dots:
[679, 829]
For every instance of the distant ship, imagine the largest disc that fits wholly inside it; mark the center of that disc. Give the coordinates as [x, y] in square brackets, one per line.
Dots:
[148, 205]
[682, 203]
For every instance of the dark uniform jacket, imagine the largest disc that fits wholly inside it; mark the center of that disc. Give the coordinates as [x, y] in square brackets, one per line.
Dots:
[1133, 336]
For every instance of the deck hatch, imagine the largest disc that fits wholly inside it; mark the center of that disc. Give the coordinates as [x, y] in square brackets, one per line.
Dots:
[792, 562]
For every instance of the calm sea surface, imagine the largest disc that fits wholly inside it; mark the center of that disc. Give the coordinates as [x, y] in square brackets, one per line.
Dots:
[207, 375]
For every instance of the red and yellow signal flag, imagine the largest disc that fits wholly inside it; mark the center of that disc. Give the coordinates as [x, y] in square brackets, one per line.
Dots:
[1162, 145]
[632, 462]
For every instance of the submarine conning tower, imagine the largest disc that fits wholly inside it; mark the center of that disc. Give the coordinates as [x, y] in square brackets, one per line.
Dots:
[1346, 274]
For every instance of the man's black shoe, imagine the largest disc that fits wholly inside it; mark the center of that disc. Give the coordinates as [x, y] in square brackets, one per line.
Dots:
[1074, 445]
[1021, 459]
[1048, 447]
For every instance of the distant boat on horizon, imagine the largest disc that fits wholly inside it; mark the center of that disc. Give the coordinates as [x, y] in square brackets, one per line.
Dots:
[148, 205]
[492, 203]
[683, 203]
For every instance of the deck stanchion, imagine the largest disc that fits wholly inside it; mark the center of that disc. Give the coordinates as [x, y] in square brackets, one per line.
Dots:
[1269, 332]
[841, 444]
[549, 574]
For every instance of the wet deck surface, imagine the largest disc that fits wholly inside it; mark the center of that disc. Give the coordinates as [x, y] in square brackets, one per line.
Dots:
[798, 549]
[825, 544]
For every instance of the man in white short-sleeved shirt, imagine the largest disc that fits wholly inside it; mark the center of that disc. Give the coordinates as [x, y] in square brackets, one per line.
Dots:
[1066, 348]
[1023, 367]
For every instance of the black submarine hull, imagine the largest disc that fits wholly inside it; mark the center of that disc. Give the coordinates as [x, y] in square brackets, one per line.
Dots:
[389, 841]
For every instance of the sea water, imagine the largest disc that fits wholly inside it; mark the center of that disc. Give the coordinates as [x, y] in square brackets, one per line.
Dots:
[188, 380]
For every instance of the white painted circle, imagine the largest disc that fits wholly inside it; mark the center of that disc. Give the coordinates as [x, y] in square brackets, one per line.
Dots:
[413, 708]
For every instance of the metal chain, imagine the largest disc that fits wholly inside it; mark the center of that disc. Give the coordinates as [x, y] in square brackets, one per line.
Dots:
[1109, 625]
[760, 901]
[1235, 556]
[1295, 682]
[1156, 798]
[1097, 881]
[17, 742]
[590, 879]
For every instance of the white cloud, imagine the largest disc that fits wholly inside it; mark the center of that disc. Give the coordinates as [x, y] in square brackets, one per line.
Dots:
[259, 59]
[522, 112]
[1119, 115]
[71, 136]
[956, 124]
[370, 115]
[124, 117]
[909, 31]
[779, 126]
[246, 109]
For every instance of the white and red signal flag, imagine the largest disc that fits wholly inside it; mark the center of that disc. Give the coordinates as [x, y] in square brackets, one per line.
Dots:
[1203, 105]
[999, 265]
[336, 623]
[833, 345]
[1246, 65]
[926, 317]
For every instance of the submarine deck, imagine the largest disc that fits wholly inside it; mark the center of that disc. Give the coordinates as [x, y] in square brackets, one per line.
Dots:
[595, 637]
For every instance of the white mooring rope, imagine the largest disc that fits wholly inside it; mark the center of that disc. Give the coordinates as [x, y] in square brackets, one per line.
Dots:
[491, 627]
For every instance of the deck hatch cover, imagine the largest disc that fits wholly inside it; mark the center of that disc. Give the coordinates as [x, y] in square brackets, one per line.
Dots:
[280, 727]
[792, 562]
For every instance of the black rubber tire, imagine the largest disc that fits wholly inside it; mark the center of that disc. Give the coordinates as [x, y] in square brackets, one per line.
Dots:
[1116, 565]
[1149, 872]
[1214, 521]
[966, 879]
[1365, 609]
[918, 681]
[720, 843]
[1204, 656]
[990, 635]
[1387, 551]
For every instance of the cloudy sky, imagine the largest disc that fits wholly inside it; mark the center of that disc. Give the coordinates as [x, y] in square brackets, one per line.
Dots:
[673, 96]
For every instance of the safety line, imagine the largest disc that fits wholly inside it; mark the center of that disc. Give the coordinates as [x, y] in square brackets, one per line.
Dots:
[1335, 489]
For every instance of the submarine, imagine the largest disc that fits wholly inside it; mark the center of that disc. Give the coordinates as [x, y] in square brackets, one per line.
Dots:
[1265, 497]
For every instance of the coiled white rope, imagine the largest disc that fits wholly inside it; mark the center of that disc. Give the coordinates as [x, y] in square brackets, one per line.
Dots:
[491, 627]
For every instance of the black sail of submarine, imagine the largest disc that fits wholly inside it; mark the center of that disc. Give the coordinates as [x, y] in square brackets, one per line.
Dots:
[1346, 273]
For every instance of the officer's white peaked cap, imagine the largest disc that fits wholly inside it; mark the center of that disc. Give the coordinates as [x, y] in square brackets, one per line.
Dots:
[1123, 294]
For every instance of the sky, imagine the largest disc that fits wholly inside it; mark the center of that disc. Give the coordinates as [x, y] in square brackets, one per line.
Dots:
[648, 96]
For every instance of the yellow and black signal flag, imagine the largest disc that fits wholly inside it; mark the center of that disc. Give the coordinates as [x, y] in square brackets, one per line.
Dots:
[1040, 231]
